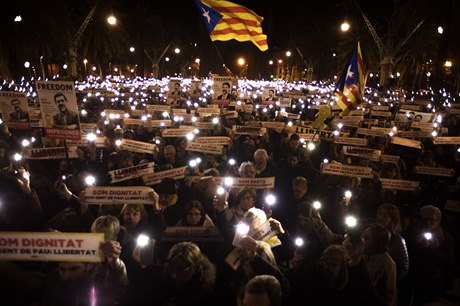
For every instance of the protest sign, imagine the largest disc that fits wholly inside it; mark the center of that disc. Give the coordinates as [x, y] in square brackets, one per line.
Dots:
[118, 195]
[51, 246]
[345, 170]
[49, 153]
[399, 184]
[15, 110]
[59, 109]
[156, 177]
[128, 173]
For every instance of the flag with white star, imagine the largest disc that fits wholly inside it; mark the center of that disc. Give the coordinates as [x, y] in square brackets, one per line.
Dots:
[226, 20]
[350, 87]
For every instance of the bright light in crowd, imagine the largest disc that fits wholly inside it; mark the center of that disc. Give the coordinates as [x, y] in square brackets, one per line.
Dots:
[192, 163]
[345, 26]
[351, 221]
[132, 49]
[440, 30]
[142, 240]
[228, 181]
[241, 61]
[197, 60]
[118, 142]
[270, 199]
[112, 20]
[64, 66]
[91, 137]
[428, 235]
[317, 205]
[85, 61]
[215, 120]
[288, 53]
[311, 146]
[270, 62]
[90, 180]
[27, 64]
[177, 50]
[220, 190]
[18, 18]
[340, 125]
[25, 143]
[232, 162]
[325, 161]
[190, 136]
[348, 194]
[93, 68]
[242, 228]
[17, 156]
[298, 242]
[434, 133]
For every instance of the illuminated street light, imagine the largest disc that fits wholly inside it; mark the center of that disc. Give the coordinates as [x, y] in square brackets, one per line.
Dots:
[27, 64]
[288, 53]
[241, 61]
[448, 64]
[177, 50]
[345, 26]
[112, 20]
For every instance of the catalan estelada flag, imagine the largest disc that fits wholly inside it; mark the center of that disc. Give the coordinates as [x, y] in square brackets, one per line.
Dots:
[226, 20]
[350, 87]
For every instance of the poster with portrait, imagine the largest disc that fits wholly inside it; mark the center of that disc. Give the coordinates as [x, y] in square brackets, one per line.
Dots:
[58, 104]
[15, 110]
[222, 88]
[196, 89]
[269, 95]
[175, 93]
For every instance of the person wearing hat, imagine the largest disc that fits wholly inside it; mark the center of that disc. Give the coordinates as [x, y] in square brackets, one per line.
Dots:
[169, 200]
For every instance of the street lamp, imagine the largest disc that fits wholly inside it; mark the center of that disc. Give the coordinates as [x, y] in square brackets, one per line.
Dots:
[345, 26]
[112, 20]
[177, 50]
[85, 61]
[27, 65]
[288, 53]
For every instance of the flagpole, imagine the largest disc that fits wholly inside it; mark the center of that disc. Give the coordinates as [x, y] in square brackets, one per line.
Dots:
[229, 72]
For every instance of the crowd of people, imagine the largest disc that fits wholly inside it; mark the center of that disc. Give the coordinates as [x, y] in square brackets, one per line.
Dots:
[402, 248]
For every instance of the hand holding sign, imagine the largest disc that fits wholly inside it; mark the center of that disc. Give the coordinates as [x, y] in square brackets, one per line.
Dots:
[111, 250]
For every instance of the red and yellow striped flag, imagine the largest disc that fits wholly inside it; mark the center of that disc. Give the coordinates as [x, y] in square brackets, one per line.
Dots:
[226, 20]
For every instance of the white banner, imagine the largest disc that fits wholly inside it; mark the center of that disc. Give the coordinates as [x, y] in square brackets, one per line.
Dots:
[248, 130]
[137, 146]
[209, 148]
[448, 172]
[49, 153]
[447, 140]
[406, 142]
[222, 140]
[351, 141]
[344, 170]
[175, 132]
[51, 246]
[131, 172]
[156, 177]
[118, 195]
[399, 184]
[256, 183]
[362, 152]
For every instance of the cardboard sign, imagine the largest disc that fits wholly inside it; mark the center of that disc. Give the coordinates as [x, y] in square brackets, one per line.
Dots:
[58, 104]
[118, 195]
[204, 125]
[416, 134]
[422, 125]
[173, 132]
[222, 140]
[371, 132]
[351, 141]
[248, 130]
[208, 148]
[256, 183]
[51, 246]
[399, 184]
[15, 110]
[156, 177]
[362, 152]
[326, 135]
[452, 205]
[49, 153]
[385, 158]
[128, 173]
[191, 233]
[446, 140]
[345, 170]
[447, 172]
[137, 146]
[406, 142]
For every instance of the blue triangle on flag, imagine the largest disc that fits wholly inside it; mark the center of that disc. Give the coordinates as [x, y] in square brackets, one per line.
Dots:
[211, 17]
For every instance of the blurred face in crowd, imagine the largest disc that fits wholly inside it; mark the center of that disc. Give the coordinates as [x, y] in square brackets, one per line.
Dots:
[72, 271]
[248, 171]
[293, 161]
[256, 299]
[194, 216]
[431, 221]
[131, 217]
[247, 201]
[294, 144]
[260, 161]
[299, 190]
[332, 262]
[169, 154]
[383, 218]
